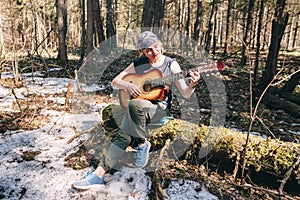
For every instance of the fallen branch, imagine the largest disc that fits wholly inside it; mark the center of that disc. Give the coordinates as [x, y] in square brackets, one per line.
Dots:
[78, 134]
[273, 192]
[17, 100]
[158, 188]
[287, 175]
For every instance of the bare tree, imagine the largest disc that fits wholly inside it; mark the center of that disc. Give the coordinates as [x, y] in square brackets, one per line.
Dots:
[258, 38]
[98, 22]
[2, 47]
[110, 23]
[83, 30]
[153, 13]
[229, 6]
[210, 26]
[61, 8]
[90, 27]
[198, 21]
[247, 30]
[278, 26]
[147, 13]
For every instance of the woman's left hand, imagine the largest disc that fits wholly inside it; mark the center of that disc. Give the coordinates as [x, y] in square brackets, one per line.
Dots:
[194, 78]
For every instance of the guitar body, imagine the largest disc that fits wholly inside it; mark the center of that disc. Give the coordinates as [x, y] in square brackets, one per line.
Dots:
[142, 81]
[152, 83]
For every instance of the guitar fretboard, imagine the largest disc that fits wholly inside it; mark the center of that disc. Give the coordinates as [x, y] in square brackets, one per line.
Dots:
[218, 66]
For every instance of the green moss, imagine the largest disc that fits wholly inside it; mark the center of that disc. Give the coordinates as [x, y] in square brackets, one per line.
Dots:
[262, 154]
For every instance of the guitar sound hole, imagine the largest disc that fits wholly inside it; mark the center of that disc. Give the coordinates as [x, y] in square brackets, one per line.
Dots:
[147, 87]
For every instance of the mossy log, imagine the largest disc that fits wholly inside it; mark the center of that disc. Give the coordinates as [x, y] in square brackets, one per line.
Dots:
[268, 159]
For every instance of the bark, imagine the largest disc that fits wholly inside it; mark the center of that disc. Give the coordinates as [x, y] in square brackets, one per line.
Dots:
[110, 24]
[187, 26]
[210, 26]
[215, 31]
[83, 30]
[153, 14]
[198, 21]
[158, 7]
[227, 26]
[98, 22]
[295, 98]
[292, 83]
[295, 34]
[258, 38]
[247, 30]
[90, 26]
[278, 26]
[61, 9]
[275, 102]
[2, 47]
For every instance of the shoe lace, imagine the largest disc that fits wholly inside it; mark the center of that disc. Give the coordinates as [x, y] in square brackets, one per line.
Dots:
[88, 173]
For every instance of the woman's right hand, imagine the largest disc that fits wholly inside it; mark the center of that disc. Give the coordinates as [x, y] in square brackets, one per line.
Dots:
[133, 90]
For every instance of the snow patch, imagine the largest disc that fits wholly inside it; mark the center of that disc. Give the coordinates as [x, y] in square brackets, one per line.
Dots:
[187, 189]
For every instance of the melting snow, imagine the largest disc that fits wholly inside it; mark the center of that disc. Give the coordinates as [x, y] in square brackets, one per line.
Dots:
[45, 176]
[187, 189]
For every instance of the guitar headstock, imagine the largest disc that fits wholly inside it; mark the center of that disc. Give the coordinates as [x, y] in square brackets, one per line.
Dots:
[220, 65]
[211, 67]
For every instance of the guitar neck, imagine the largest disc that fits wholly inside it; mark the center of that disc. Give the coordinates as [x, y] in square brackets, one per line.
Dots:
[183, 74]
[168, 79]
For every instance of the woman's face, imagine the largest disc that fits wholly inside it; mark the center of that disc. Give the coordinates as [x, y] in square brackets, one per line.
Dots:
[153, 52]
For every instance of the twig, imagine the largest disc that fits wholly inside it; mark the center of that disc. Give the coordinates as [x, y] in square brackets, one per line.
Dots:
[78, 134]
[289, 76]
[158, 188]
[17, 100]
[261, 121]
[252, 118]
[287, 176]
[262, 189]
[236, 166]
[54, 123]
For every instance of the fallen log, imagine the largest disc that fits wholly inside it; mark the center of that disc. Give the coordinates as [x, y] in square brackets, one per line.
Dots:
[275, 102]
[268, 160]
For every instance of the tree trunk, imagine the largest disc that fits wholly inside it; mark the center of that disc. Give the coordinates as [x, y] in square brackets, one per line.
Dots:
[292, 83]
[215, 31]
[146, 17]
[210, 26]
[90, 27]
[246, 34]
[98, 22]
[83, 30]
[158, 12]
[61, 12]
[295, 98]
[161, 12]
[110, 24]
[198, 21]
[257, 53]
[187, 27]
[278, 26]
[227, 26]
[2, 47]
[295, 34]
[277, 103]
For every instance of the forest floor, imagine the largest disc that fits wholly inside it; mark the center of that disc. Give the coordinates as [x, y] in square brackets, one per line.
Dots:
[37, 123]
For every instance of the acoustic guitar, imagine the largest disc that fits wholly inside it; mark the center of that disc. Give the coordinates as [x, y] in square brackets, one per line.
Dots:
[152, 83]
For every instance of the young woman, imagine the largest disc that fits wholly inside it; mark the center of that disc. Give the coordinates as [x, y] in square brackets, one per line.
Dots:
[140, 111]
